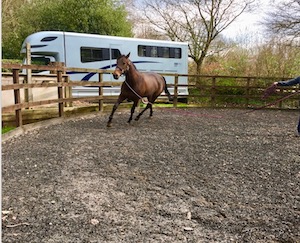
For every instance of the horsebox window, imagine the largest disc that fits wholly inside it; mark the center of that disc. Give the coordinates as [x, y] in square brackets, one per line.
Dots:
[41, 60]
[159, 51]
[91, 54]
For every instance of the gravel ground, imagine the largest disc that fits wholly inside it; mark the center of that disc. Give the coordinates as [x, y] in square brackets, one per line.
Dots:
[197, 175]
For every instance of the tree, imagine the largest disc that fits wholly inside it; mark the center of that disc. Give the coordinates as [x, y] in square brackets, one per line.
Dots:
[284, 19]
[198, 22]
[107, 17]
[275, 59]
[270, 59]
[10, 27]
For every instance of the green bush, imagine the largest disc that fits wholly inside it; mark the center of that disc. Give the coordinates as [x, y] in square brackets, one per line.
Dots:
[6, 129]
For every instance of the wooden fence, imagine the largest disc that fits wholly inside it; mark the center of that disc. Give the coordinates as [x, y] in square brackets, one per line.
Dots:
[202, 88]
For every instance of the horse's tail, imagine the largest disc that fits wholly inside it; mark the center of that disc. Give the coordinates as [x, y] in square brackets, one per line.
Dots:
[167, 91]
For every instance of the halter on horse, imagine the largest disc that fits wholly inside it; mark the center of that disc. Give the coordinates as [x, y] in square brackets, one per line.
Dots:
[136, 86]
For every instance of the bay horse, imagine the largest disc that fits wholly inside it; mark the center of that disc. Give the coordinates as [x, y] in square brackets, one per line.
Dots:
[137, 86]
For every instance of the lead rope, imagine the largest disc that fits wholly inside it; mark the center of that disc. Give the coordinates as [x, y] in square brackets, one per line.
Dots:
[275, 102]
[145, 101]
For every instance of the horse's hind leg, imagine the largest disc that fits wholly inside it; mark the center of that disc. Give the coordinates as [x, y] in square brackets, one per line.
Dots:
[141, 113]
[151, 111]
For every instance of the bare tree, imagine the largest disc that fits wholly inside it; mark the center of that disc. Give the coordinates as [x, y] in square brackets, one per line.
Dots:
[284, 19]
[198, 22]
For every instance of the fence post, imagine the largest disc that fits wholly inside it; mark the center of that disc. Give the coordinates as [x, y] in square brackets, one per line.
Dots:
[67, 92]
[247, 92]
[17, 97]
[101, 92]
[28, 95]
[213, 92]
[175, 99]
[60, 93]
[280, 103]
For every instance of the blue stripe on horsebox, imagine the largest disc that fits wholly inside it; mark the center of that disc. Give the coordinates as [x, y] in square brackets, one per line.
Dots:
[90, 75]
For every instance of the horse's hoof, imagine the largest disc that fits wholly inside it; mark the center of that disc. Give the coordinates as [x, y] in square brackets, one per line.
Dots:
[137, 118]
[108, 125]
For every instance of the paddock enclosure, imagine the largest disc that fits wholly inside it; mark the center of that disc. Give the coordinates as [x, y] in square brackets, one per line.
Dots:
[186, 175]
[23, 93]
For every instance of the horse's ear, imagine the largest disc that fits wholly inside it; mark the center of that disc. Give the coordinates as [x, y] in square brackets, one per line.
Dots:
[128, 55]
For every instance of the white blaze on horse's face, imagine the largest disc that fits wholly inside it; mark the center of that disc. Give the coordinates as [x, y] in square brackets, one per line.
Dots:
[117, 73]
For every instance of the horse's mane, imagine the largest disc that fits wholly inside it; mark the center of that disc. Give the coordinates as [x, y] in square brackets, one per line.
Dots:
[134, 66]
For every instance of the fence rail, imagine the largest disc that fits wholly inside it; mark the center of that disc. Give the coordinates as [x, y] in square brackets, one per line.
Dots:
[204, 89]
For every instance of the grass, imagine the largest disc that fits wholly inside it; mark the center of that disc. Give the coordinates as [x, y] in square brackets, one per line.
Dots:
[164, 105]
[7, 129]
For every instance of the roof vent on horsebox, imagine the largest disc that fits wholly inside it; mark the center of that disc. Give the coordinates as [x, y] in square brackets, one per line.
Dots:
[49, 38]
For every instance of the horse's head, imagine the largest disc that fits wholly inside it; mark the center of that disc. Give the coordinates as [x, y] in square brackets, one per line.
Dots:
[122, 67]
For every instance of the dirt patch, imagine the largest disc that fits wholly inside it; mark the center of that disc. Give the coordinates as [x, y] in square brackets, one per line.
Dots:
[197, 175]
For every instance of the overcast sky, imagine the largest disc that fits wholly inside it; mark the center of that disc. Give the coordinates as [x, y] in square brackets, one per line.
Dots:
[246, 28]
[248, 23]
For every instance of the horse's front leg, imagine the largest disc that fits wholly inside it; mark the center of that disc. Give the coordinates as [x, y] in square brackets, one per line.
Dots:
[141, 113]
[112, 114]
[116, 105]
[132, 110]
